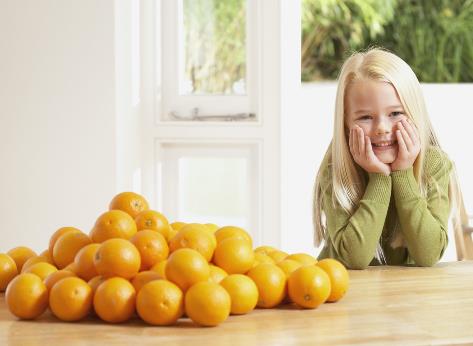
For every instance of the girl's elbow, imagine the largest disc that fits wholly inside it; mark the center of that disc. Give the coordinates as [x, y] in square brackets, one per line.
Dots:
[428, 258]
[354, 258]
[356, 262]
[426, 261]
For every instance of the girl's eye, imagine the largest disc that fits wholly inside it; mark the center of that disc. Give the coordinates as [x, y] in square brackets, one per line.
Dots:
[365, 117]
[397, 114]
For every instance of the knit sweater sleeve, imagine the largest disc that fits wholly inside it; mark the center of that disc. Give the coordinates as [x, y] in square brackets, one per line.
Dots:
[424, 220]
[355, 236]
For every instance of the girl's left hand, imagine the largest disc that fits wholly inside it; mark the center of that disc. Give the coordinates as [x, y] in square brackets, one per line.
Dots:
[408, 143]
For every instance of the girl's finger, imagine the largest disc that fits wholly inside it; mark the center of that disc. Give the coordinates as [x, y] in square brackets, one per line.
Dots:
[400, 142]
[410, 128]
[405, 136]
[361, 138]
[416, 138]
[355, 143]
[368, 148]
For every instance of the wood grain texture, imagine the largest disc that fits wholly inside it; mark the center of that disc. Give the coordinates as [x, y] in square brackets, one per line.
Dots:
[384, 306]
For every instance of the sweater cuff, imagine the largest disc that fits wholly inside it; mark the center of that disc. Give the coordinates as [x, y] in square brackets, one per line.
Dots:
[378, 188]
[405, 184]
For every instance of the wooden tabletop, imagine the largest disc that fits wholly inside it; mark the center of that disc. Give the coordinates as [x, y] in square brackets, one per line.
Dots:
[384, 306]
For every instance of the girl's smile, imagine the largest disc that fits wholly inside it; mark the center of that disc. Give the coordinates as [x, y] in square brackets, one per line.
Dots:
[384, 145]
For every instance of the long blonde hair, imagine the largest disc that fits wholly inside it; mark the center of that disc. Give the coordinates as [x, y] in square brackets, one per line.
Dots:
[348, 181]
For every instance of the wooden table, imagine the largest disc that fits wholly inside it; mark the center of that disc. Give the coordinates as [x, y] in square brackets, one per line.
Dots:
[384, 306]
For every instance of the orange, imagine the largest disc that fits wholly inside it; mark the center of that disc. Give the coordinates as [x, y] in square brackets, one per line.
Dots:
[265, 249]
[152, 246]
[57, 234]
[20, 255]
[143, 278]
[288, 266]
[41, 269]
[234, 255]
[278, 255]
[151, 219]
[211, 232]
[26, 296]
[84, 262]
[34, 260]
[67, 246]
[70, 299]
[46, 254]
[160, 268]
[95, 282]
[217, 274]
[114, 300]
[309, 286]
[271, 282]
[339, 278]
[212, 227]
[171, 234]
[54, 277]
[303, 258]
[232, 232]
[160, 303]
[117, 257]
[207, 303]
[8, 271]
[113, 224]
[262, 258]
[71, 267]
[129, 202]
[186, 267]
[177, 225]
[243, 293]
[194, 236]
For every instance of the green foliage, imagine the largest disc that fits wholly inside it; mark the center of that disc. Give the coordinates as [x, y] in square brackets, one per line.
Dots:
[331, 29]
[435, 37]
[215, 40]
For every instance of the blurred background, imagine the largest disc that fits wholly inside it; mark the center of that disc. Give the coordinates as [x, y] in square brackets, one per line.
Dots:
[215, 110]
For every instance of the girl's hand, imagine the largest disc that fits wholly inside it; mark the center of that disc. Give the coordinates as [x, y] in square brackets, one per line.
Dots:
[408, 143]
[362, 152]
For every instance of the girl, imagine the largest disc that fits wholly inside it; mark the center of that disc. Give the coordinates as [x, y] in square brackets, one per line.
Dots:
[382, 190]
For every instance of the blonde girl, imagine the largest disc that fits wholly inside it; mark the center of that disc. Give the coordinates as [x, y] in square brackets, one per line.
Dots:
[382, 192]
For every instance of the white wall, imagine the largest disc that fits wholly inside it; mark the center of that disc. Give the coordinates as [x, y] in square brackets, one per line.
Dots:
[57, 117]
[308, 130]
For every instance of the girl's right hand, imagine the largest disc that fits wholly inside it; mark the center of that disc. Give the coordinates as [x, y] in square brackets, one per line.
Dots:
[362, 152]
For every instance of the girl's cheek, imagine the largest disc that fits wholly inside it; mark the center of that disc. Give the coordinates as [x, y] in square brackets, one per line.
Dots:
[366, 130]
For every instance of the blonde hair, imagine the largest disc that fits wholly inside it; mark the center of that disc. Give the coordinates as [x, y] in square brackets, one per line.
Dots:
[348, 180]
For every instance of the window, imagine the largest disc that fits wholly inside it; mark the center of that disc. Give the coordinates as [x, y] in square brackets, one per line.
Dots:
[214, 75]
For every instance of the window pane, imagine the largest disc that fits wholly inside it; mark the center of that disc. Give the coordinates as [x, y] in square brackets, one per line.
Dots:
[210, 183]
[213, 47]
[214, 190]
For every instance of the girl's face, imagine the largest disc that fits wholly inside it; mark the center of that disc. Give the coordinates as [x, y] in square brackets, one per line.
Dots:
[375, 107]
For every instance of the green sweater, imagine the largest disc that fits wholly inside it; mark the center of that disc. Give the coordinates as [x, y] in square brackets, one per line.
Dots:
[389, 201]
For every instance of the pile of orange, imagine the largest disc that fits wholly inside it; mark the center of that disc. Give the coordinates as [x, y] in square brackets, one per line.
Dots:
[133, 260]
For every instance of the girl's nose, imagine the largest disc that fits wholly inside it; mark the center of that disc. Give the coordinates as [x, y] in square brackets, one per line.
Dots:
[383, 128]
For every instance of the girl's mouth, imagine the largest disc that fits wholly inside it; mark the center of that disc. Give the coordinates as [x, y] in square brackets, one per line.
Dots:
[382, 146]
